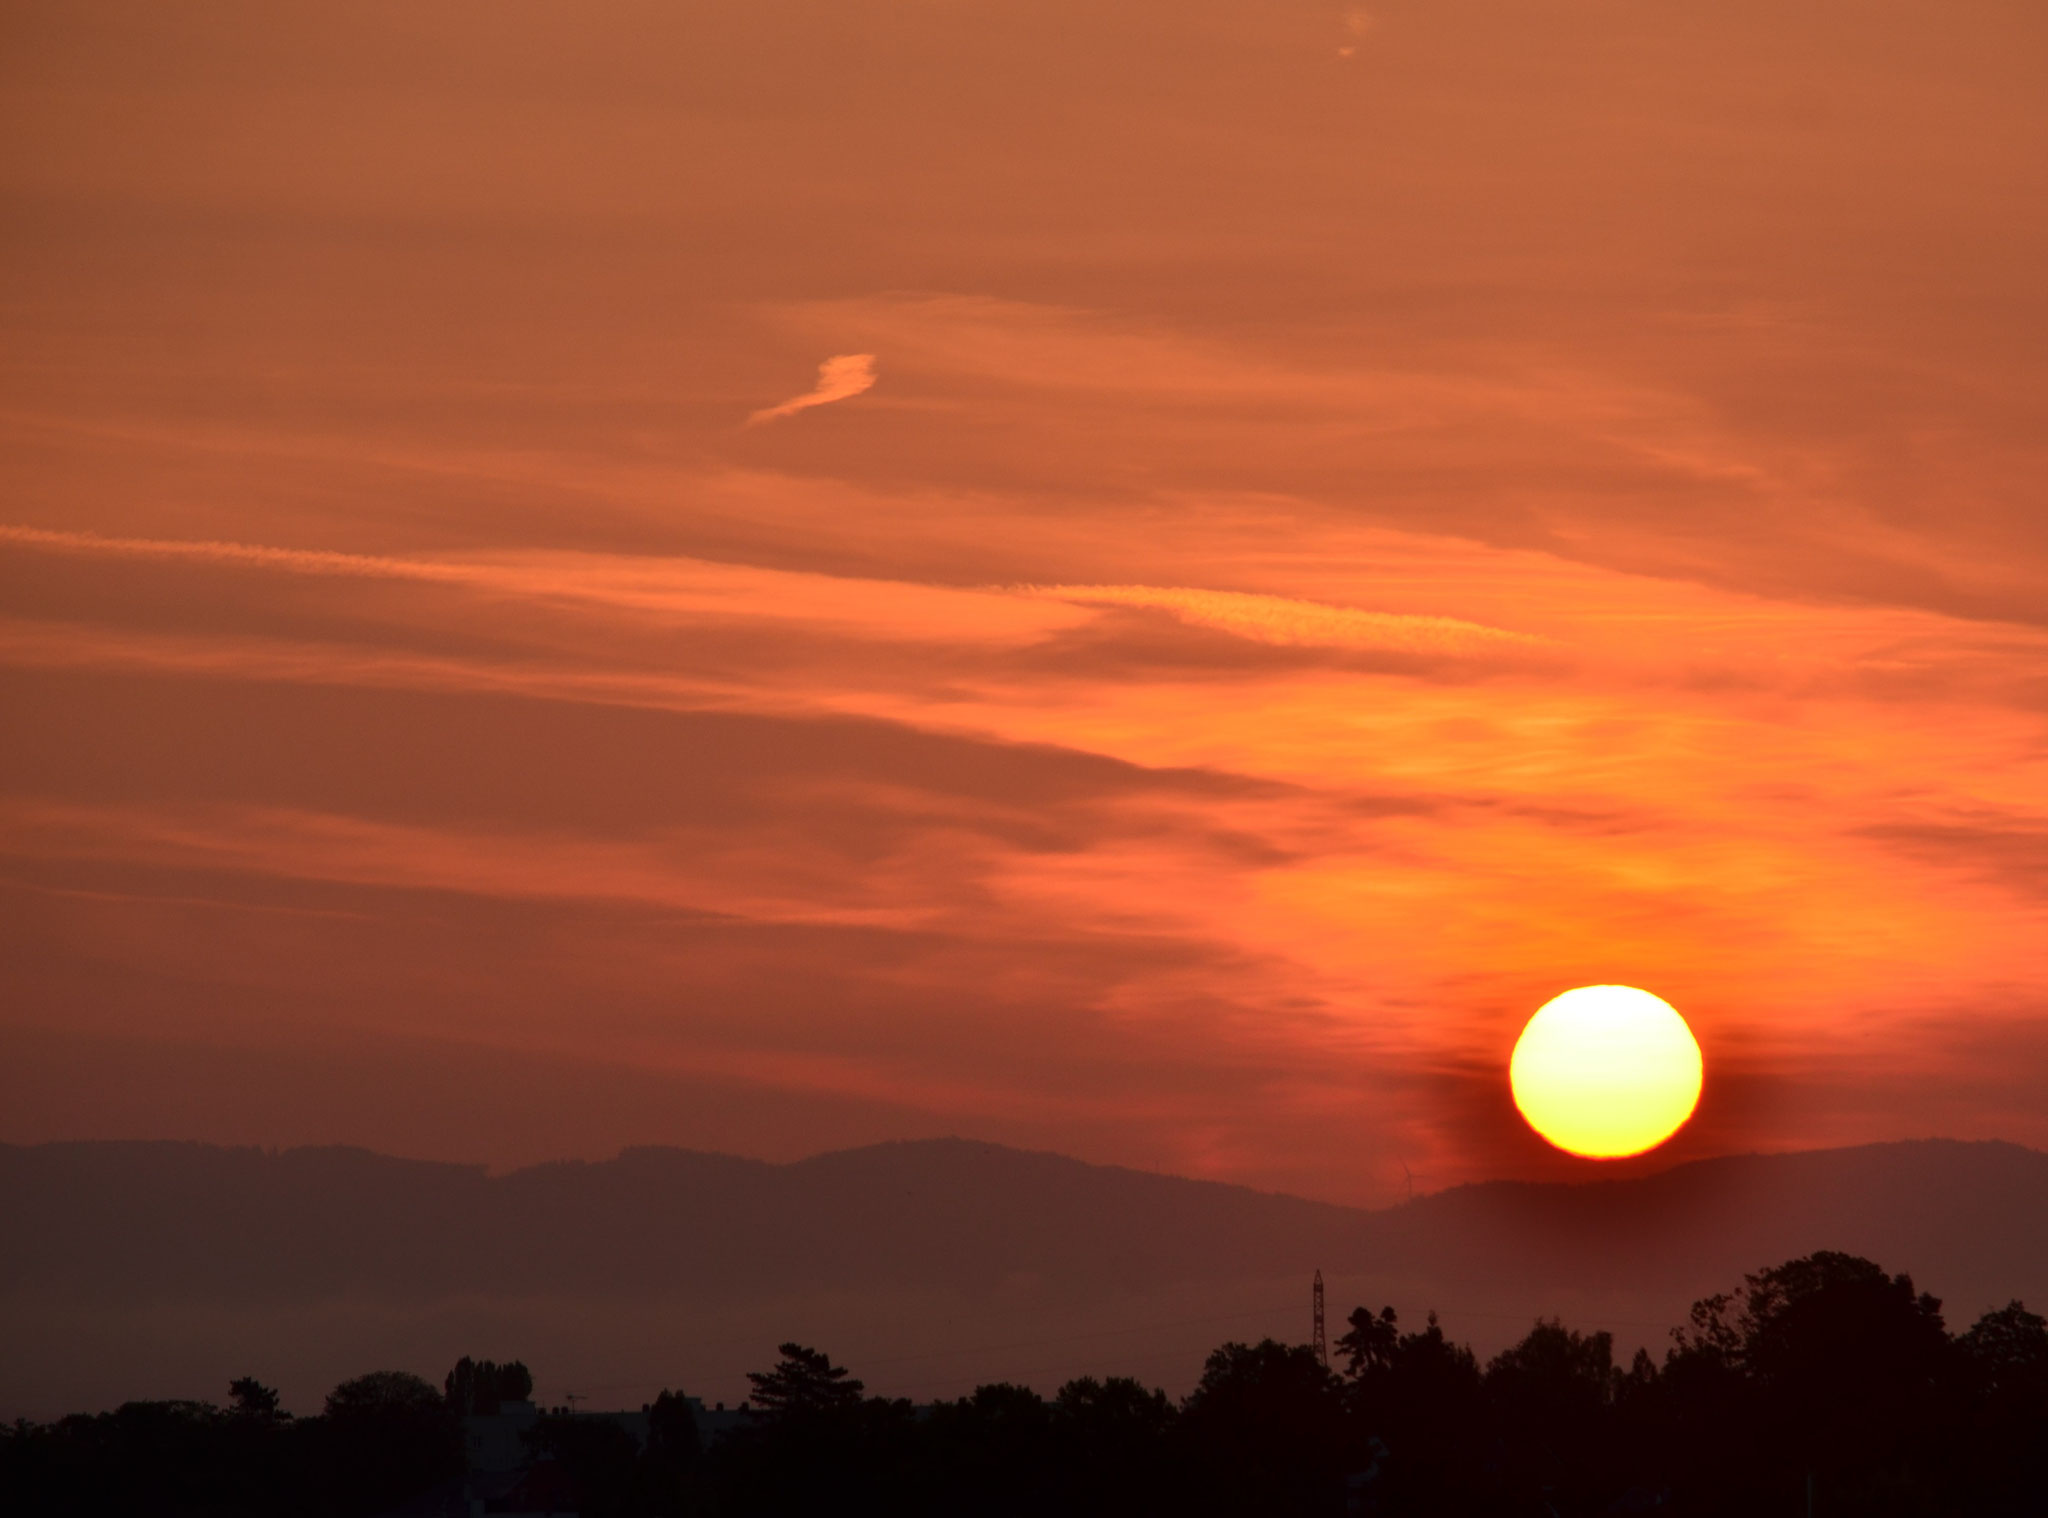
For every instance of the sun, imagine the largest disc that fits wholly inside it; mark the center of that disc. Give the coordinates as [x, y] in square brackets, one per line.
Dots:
[1606, 1071]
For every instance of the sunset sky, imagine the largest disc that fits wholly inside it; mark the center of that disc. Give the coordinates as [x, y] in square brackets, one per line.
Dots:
[1145, 580]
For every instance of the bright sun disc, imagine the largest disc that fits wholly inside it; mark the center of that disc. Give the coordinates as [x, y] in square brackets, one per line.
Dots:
[1606, 1071]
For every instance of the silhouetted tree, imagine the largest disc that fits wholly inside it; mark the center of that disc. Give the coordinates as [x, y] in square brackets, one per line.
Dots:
[994, 1445]
[1369, 1346]
[820, 1444]
[672, 1458]
[1119, 1408]
[390, 1435]
[804, 1381]
[2005, 1359]
[1555, 1373]
[252, 1399]
[464, 1397]
[1265, 1428]
[1824, 1367]
[484, 1386]
[1415, 1410]
[672, 1429]
[1832, 1334]
[1548, 1400]
[1111, 1439]
[1429, 1371]
[2008, 1351]
[383, 1395]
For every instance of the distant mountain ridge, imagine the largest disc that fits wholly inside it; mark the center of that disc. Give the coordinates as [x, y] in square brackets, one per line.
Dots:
[180, 1219]
[144, 1220]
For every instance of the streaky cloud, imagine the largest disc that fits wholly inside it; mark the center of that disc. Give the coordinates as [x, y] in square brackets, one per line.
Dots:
[1291, 621]
[840, 377]
[218, 551]
[672, 586]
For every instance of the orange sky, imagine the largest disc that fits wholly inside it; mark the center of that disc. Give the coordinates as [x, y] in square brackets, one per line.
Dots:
[1145, 580]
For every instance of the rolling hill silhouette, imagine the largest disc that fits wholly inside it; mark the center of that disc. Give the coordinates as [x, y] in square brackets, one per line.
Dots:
[163, 1236]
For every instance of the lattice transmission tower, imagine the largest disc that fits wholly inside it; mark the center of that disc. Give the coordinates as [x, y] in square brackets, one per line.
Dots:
[1322, 1340]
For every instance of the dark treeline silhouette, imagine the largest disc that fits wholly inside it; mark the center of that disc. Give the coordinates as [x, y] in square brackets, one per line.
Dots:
[380, 1438]
[484, 1386]
[1821, 1385]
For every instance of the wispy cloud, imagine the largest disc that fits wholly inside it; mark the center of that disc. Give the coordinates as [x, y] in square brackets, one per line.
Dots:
[839, 377]
[216, 551]
[1287, 620]
[670, 587]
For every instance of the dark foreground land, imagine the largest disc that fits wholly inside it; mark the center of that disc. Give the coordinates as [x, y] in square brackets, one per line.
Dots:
[1822, 1385]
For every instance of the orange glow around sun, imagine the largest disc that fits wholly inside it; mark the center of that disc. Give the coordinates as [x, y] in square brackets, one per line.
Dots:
[1606, 1071]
